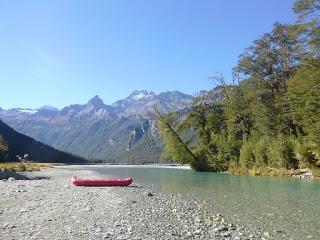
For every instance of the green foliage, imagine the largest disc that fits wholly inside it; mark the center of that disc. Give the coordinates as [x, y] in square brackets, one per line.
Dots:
[278, 152]
[223, 151]
[309, 20]
[178, 149]
[261, 151]
[308, 154]
[174, 144]
[272, 59]
[238, 119]
[165, 155]
[281, 153]
[304, 99]
[268, 120]
[200, 162]
[247, 157]
[306, 7]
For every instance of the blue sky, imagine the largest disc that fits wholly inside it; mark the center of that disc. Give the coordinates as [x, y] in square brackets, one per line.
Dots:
[63, 52]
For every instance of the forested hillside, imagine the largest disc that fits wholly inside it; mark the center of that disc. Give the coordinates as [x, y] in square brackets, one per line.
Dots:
[267, 119]
[13, 143]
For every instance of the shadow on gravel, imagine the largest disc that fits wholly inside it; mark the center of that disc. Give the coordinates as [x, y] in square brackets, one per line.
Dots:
[8, 174]
[39, 178]
[134, 186]
[12, 175]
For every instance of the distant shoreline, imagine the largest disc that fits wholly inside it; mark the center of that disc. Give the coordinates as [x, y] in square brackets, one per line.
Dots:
[172, 166]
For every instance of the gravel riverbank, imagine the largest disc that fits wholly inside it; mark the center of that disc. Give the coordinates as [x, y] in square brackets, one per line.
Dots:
[52, 208]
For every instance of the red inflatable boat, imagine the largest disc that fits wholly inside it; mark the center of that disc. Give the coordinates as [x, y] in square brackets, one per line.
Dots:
[102, 182]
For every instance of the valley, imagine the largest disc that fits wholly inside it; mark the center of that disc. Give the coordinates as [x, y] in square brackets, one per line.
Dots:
[123, 132]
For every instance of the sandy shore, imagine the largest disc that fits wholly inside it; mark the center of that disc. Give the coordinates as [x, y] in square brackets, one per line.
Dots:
[52, 208]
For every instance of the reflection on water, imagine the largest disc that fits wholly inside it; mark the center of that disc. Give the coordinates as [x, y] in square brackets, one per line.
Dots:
[290, 205]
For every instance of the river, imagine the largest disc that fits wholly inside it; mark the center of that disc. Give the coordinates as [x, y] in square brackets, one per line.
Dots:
[287, 205]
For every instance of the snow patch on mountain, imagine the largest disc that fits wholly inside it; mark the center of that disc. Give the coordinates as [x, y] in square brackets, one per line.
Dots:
[143, 95]
[27, 110]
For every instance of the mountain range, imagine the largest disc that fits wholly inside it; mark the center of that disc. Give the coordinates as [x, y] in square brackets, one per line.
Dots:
[125, 131]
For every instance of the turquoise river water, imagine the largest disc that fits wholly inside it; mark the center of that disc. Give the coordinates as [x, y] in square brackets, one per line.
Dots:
[272, 204]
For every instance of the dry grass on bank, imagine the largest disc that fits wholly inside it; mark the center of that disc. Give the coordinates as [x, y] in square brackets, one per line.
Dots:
[21, 167]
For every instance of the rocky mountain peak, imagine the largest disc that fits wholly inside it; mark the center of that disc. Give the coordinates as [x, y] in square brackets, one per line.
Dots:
[48, 108]
[96, 101]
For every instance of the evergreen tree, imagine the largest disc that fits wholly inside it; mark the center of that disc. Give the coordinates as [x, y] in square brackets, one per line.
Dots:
[304, 98]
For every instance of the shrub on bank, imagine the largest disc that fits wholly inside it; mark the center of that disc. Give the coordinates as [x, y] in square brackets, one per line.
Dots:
[247, 157]
[278, 152]
[281, 153]
[21, 167]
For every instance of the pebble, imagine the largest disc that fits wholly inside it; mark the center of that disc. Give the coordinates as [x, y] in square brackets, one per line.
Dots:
[150, 194]
[266, 234]
[117, 224]
[11, 179]
[232, 227]
[222, 228]
[87, 209]
[21, 190]
[5, 226]
[225, 234]
[197, 232]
